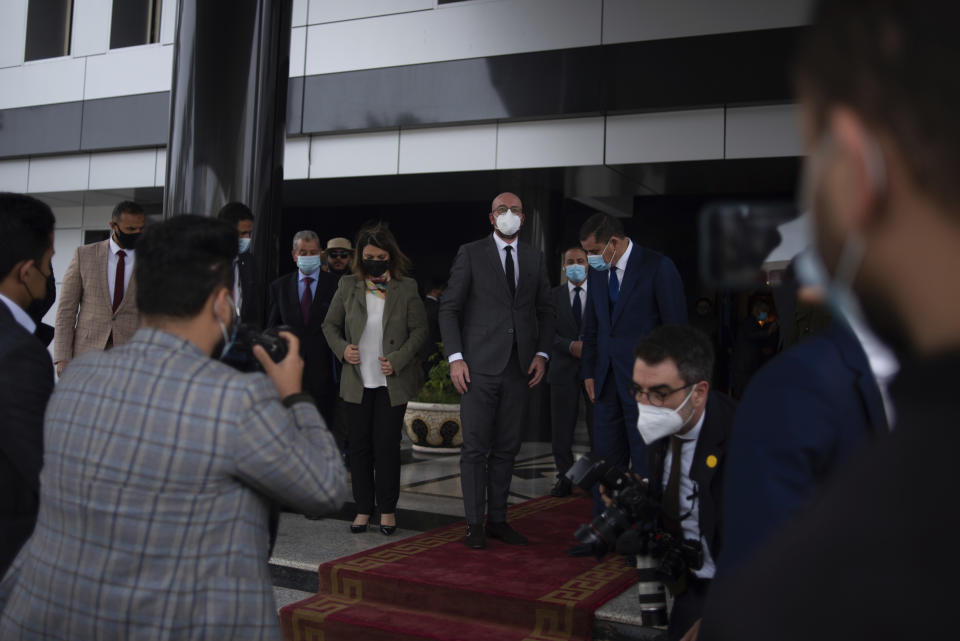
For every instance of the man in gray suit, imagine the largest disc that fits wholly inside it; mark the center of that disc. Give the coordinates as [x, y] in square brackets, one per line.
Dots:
[564, 374]
[160, 464]
[496, 320]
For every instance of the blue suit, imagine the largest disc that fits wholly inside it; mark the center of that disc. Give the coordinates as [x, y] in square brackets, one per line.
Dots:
[651, 295]
[801, 418]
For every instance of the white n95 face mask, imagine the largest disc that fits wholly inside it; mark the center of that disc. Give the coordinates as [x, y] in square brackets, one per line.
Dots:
[508, 223]
[654, 423]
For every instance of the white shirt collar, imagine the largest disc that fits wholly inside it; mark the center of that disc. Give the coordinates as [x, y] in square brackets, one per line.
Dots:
[19, 315]
[622, 262]
[114, 247]
[501, 243]
[694, 434]
[582, 286]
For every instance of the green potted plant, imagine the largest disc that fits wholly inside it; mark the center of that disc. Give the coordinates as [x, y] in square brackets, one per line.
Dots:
[432, 420]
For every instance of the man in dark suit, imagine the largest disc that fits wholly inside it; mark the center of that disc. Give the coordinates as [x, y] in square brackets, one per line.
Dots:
[632, 290]
[802, 418]
[496, 320]
[244, 292]
[431, 302]
[26, 371]
[681, 419]
[300, 300]
[873, 556]
[563, 375]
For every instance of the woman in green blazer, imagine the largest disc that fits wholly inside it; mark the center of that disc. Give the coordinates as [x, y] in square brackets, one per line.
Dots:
[376, 324]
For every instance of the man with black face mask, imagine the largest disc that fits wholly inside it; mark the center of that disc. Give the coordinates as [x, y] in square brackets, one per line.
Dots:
[873, 557]
[26, 373]
[97, 307]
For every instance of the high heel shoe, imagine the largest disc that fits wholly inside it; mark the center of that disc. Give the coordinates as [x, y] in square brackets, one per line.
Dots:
[387, 530]
[358, 529]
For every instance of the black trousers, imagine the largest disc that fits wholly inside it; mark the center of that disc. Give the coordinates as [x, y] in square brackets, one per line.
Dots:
[564, 408]
[374, 428]
[493, 413]
[688, 607]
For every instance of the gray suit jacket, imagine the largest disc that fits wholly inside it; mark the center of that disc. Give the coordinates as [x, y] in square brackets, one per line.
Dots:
[159, 467]
[478, 317]
[564, 367]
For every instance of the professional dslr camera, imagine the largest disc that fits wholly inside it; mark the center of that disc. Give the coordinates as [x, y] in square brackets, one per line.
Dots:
[241, 355]
[632, 526]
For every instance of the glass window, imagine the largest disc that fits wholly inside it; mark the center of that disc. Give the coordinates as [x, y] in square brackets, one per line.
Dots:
[135, 22]
[48, 29]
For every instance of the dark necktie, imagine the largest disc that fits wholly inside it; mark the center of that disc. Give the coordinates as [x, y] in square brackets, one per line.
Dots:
[508, 267]
[671, 494]
[577, 307]
[614, 286]
[306, 300]
[118, 281]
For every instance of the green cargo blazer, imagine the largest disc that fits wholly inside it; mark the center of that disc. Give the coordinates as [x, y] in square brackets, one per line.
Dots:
[404, 331]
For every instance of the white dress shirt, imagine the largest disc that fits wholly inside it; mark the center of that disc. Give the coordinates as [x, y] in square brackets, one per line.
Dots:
[19, 315]
[883, 363]
[302, 282]
[237, 290]
[583, 294]
[370, 344]
[112, 260]
[501, 243]
[690, 496]
[621, 265]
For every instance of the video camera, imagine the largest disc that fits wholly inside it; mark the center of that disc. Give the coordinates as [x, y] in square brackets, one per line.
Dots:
[631, 525]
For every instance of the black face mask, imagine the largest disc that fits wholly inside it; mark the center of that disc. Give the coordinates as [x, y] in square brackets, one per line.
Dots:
[39, 307]
[126, 241]
[375, 268]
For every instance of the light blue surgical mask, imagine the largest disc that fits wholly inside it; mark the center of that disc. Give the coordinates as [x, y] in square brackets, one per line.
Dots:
[576, 273]
[309, 264]
[597, 261]
[243, 245]
[762, 316]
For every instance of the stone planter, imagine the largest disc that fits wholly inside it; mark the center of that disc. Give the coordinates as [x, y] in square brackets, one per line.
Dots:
[434, 427]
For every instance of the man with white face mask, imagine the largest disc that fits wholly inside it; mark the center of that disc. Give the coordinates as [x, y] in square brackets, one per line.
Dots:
[496, 320]
[687, 428]
[874, 557]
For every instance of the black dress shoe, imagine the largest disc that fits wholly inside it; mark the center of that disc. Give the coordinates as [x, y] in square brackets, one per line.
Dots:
[562, 487]
[475, 538]
[505, 533]
[358, 529]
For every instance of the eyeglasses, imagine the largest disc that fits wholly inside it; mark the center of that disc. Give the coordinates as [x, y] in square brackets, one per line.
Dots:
[655, 397]
[502, 209]
[339, 254]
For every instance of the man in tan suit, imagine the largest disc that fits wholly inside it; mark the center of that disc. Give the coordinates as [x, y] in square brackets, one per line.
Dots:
[98, 303]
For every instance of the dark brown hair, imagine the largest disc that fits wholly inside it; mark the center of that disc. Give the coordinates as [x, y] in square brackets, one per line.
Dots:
[380, 236]
[894, 62]
[602, 227]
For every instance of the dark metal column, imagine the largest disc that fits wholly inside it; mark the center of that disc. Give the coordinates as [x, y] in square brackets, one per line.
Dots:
[227, 110]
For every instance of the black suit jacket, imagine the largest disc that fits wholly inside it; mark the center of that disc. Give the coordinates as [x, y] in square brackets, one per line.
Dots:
[712, 442]
[479, 317]
[564, 366]
[26, 382]
[250, 309]
[318, 371]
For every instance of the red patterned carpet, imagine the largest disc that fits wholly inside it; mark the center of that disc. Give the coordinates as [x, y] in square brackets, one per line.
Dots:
[431, 586]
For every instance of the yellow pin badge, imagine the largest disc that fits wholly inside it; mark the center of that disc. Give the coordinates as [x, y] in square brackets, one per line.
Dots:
[712, 461]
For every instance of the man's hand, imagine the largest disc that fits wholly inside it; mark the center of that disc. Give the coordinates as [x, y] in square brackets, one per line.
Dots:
[460, 375]
[287, 375]
[588, 385]
[61, 365]
[536, 370]
[352, 354]
[692, 633]
[576, 348]
[386, 367]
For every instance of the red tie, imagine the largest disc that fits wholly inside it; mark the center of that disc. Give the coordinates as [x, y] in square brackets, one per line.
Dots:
[118, 281]
[306, 300]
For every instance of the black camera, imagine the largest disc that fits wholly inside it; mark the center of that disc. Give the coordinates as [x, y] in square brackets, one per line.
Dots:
[241, 355]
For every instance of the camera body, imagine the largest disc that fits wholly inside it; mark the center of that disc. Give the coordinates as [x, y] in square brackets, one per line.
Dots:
[247, 336]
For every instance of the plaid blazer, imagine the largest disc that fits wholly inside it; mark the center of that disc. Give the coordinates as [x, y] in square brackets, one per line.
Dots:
[158, 463]
[85, 317]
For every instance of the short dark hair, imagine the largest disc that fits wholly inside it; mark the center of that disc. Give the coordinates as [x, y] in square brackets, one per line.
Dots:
[125, 207]
[180, 262]
[602, 227]
[379, 235]
[689, 348]
[234, 212]
[574, 247]
[25, 227]
[895, 63]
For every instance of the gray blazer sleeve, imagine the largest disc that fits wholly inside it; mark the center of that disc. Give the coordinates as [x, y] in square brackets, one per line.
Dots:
[452, 302]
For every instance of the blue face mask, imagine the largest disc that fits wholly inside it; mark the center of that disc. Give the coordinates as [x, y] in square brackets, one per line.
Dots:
[597, 261]
[308, 264]
[243, 245]
[576, 273]
[762, 316]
